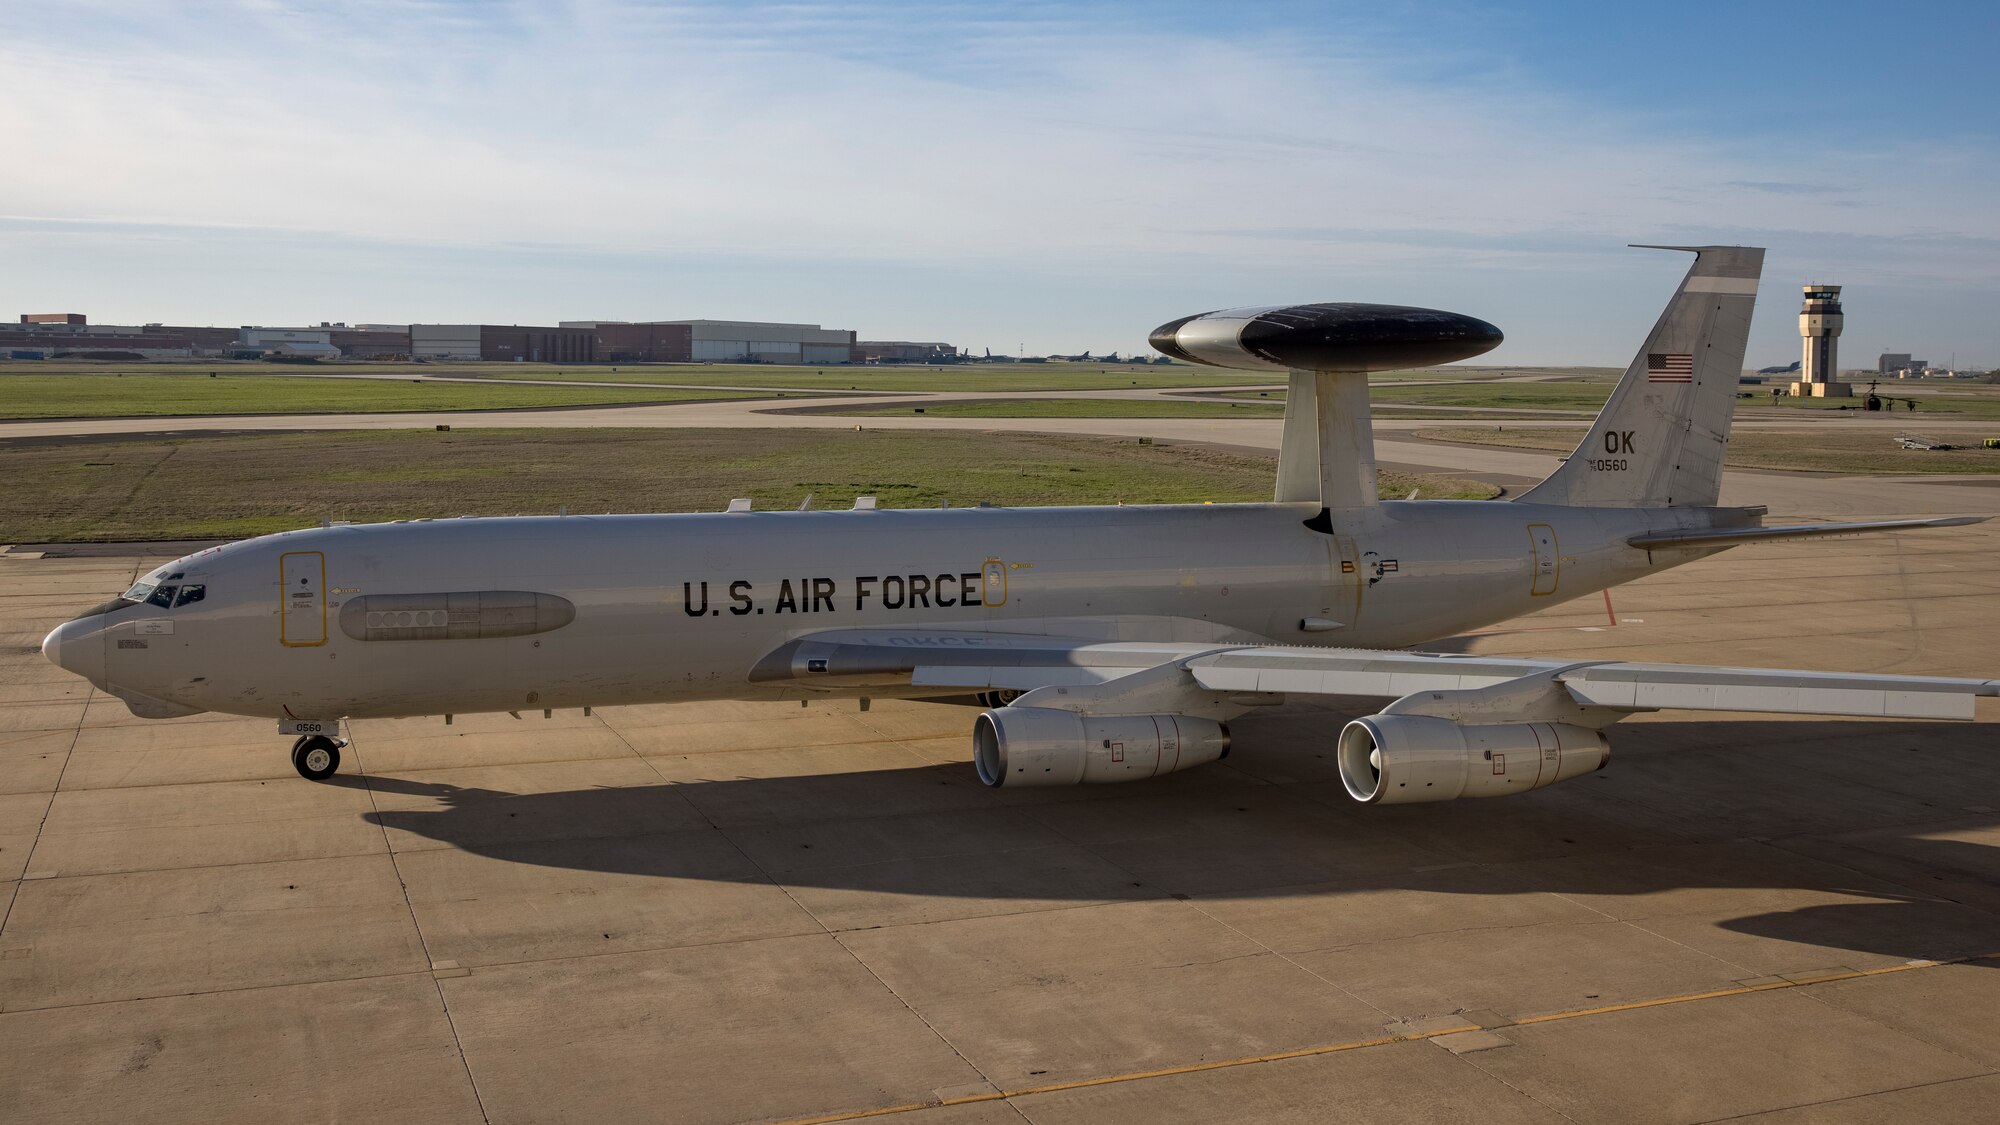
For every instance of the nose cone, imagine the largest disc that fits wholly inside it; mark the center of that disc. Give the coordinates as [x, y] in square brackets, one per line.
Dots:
[77, 646]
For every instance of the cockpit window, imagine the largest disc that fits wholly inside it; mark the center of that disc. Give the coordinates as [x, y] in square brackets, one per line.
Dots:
[140, 591]
[163, 597]
[190, 594]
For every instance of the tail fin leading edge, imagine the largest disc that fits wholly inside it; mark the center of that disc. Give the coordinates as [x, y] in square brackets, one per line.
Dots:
[1660, 438]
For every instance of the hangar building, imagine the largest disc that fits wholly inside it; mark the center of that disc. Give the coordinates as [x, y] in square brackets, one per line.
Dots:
[720, 341]
[504, 342]
[620, 341]
[312, 343]
[725, 341]
[65, 335]
[372, 341]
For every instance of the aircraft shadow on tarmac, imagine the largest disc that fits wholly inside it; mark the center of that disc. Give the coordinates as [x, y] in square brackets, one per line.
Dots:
[1881, 812]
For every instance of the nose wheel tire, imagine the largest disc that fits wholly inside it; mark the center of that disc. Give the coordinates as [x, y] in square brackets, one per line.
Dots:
[316, 757]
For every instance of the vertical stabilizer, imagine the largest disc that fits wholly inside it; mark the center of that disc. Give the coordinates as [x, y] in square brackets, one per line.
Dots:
[1660, 438]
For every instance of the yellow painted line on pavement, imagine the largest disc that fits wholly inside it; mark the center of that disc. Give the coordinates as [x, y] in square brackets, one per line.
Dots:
[1134, 1076]
[1334, 1048]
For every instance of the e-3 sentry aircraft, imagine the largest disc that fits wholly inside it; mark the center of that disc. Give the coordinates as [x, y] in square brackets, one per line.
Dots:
[1108, 643]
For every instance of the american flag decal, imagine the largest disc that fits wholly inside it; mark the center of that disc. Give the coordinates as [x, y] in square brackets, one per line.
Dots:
[1669, 367]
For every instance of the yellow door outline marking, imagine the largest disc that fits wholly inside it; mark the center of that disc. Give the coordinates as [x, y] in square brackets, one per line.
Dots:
[993, 570]
[1555, 563]
[284, 598]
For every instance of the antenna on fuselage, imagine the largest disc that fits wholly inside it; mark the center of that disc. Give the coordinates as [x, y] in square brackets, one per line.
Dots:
[1326, 351]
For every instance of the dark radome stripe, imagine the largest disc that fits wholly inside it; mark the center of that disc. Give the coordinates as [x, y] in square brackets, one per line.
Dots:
[1355, 337]
[1342, 337]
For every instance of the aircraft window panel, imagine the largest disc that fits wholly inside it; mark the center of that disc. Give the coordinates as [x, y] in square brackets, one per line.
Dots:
[163, 597]
[140, 591]
[456, 615]
[190, 594]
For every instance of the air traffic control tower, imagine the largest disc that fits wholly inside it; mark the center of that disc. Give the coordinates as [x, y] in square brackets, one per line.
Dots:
[1819, 323]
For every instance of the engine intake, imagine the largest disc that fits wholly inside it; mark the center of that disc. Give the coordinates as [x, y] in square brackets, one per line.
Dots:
[1404, 759]
[1023, 746]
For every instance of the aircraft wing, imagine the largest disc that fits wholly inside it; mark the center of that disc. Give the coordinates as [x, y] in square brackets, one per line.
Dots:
[1730, 536]
[1617, 685]
[974, 660]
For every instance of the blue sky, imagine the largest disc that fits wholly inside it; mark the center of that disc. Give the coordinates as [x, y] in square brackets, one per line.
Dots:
[1055, 176]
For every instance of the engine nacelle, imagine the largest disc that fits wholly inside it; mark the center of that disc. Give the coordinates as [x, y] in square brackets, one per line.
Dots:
[1402, 759]
[1022, 746]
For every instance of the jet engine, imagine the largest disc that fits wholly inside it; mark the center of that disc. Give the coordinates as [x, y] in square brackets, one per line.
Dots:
[1022, 746]
[1403, 759]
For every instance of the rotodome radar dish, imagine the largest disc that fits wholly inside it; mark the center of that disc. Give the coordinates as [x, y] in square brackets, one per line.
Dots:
[1332, 336]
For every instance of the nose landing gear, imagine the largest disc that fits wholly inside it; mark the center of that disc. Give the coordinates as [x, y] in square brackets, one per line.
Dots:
[316, 756]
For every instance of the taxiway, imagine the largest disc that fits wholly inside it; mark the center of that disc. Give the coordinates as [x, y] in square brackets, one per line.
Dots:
[752, 912]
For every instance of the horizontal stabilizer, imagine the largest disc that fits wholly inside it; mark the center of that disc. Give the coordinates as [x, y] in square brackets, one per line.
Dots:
[1730, 536]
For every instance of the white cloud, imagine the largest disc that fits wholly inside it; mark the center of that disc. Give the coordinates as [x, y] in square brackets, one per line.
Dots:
[893, 135]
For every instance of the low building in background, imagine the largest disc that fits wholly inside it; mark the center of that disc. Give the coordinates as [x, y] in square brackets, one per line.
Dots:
[750, 341]
[286, 343]
[907, 351]
[718, 341]
[58, 335]
[1900, 365]
[372, 341]
[113, 343]
[622, 341]
[507, 343]
[72, 336]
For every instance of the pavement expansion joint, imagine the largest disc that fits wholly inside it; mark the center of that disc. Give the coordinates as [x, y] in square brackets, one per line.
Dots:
[1467, 1042]
[1460, 1034]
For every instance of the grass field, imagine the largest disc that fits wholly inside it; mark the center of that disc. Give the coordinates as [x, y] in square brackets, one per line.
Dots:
[1815, 451]
[151, 394]
[1586, 396]
[1001, 378]
[967, 377]
[231, 486]
[1077, 408]
[1138, 408]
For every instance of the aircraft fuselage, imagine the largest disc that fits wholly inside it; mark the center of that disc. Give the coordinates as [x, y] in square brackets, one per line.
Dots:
[468, 615]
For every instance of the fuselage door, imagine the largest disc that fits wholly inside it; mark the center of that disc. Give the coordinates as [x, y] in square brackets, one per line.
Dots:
[302, 619]
[993, 583]
[1547, 562]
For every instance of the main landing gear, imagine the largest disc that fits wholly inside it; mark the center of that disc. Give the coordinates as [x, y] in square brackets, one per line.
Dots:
[316, 756]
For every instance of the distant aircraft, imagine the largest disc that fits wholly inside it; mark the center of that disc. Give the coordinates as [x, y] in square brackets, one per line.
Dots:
[1782, 370]
[1109, 643]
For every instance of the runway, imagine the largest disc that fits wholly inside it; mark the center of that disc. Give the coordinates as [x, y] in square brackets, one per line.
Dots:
[1785, 493]
[749, 912]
